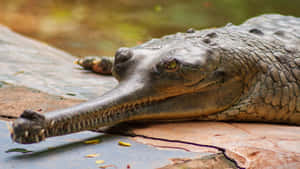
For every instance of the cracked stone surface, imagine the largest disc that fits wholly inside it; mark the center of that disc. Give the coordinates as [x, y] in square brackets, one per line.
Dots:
[251, 145]
[36, 76]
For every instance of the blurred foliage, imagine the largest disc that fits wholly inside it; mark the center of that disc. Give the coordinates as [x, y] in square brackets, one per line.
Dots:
[99, 27]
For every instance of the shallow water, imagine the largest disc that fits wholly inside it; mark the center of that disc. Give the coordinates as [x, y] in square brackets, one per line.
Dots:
[99, 27]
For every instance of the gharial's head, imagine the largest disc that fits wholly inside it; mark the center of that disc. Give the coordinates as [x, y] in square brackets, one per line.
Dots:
[185, 74]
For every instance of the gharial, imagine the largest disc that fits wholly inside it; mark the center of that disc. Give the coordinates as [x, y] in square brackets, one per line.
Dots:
[249, 72]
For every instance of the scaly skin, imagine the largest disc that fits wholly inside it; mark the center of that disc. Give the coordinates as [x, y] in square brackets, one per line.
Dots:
[249, 72]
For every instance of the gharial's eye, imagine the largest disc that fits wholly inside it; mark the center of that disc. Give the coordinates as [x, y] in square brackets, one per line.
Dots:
[171, 65]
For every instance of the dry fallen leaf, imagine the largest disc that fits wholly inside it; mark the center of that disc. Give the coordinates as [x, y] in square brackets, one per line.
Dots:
[99, 161]
[8, 124]
[106, 166]
[91, 155]
[71, 94]
[121, 143]
[50, 148]
[20, 150]
[95, 141]
[19, 72]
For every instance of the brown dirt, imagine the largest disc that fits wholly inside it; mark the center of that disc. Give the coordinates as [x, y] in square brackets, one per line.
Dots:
[216, 161]
[15, 99]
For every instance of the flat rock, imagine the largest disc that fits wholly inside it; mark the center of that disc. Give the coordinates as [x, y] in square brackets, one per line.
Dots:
[36, 76]
[251, 145]
[15, 99]
[68, 152]
[209, 162]
[26, 62]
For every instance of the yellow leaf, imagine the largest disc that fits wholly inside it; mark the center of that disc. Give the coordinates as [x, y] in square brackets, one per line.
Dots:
[50, 148]
[107, 166]
[157, 8]
[19, 72]
[121, 143]
[92, 155]
[21, 150]
[99, 161]
[9, 127]
[96, 141]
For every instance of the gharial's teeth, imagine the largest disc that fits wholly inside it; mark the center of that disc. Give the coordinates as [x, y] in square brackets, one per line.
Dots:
[83, 124]
[43, 137]
[37, 138]
[26, 133]
[76, 61]
[126, 106]
[52, 123]
[79, 126]
[42, 132]
[150, 99]
[9, 127]
[74, 126]
[88, 122]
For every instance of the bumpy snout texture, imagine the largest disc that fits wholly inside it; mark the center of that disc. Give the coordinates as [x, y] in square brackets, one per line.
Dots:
[29, 128]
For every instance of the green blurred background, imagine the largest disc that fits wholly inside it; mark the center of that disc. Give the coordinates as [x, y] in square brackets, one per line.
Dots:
[99, 27]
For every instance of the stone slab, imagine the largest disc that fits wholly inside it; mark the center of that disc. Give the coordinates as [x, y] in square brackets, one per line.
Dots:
[15, 99]
[26, 62]
[68, 152]
[252, 145]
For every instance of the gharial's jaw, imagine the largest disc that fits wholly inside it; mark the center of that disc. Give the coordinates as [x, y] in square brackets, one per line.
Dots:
[128, 101]
[107, 110]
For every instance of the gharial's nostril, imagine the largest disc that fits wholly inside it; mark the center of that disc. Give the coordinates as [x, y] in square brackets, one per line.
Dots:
[123, 54]
[32, 115]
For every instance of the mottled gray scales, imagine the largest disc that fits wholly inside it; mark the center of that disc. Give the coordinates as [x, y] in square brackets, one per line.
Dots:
[297, 61]
[285, 96]
[298, 104]
[283, 79]
[296, 72]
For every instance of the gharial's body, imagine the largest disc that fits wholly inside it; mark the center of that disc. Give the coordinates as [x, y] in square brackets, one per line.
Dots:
[249, 72]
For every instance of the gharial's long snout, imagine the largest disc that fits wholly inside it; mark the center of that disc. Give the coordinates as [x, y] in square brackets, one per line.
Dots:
[121, 104]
